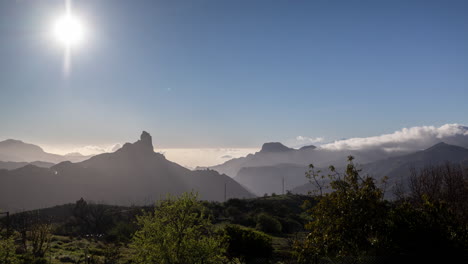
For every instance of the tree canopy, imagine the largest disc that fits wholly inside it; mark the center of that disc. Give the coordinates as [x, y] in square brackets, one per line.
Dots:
[178, 231]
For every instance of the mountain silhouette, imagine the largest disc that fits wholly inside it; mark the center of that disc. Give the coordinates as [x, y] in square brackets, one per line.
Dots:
[274, 154]
[11, 165]
[398, 169]
[275, 147]
[270, 179]
[19, 151]
[134, 174]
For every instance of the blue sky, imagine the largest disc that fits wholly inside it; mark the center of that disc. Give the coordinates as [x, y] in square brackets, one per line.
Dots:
[232, 73]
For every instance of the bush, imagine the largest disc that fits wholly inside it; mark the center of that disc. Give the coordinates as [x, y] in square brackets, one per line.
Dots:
[291, 226]
[248, 244]
[177, 232]
[268, 224]
[7, 250]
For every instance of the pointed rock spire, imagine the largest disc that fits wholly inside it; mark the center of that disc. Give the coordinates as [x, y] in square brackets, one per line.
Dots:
[144, 145]
[146, 142]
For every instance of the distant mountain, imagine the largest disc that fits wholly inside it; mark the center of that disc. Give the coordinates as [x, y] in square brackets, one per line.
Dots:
[275, 147]
[10, 165]
[273, 154]
[270, 179]
[134, 174]
[18, 151]
[397, 169]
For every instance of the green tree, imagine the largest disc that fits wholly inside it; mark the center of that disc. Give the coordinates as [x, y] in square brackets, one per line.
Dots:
[248, 244]
[349, 221]
[7, 250]
[268, 224]
[177, 232]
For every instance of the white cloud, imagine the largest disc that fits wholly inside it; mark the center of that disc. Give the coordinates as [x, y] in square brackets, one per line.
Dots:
[309, 139]
[87, 150]
[301, 141]
[191, 157]
[406, 139]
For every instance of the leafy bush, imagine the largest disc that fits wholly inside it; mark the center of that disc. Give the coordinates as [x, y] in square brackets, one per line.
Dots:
[248, 244]
[177, 232]
[7, 250]
[290, 225]
[268, 224]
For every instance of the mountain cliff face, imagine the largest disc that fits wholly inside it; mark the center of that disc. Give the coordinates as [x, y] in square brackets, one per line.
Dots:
[134, 174]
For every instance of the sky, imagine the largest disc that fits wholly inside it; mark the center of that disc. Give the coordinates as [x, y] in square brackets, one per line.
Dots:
[231, 74]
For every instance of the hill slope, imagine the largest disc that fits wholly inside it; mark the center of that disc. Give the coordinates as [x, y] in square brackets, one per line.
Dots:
[134, 174]
[398, 169]
[18, 151]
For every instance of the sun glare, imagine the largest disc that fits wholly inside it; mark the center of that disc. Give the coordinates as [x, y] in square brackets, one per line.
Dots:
[69, 30]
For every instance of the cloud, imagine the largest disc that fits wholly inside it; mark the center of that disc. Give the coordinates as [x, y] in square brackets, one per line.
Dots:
[191, 157]
[116, 147]
[406, 139]
[301, 141]
[309, 139]
[87, 150]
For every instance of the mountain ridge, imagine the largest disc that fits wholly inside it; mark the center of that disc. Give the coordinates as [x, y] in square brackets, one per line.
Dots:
[134, 174]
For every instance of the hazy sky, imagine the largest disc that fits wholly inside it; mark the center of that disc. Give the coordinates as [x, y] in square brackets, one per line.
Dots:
[219, 73]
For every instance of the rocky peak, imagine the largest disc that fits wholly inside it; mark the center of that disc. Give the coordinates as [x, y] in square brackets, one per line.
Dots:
[146, 139]
[274, 147]
[144, 145]
[308, 147]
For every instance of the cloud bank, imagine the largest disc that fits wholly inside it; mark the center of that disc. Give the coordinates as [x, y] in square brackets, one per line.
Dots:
[301, 141]
[406, 139]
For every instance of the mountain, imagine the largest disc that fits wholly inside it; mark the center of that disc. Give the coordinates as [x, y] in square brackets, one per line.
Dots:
[275, 147]
[134, 174]
[11, 165]
[272, 154]
[398, 169]
[269, 179]
[18, 151]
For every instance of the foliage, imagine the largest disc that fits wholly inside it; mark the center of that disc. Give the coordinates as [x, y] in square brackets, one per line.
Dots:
[443, 183]
[349, 221]
[426, 231]
[268, 224]
[39, 237]
[178, 232]
[247, 244]
[91, 218]
[7, 250]
[354, 222]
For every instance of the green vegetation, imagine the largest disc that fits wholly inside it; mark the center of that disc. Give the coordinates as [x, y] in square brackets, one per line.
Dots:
[242, 240]
[347, 220]
[179, 231]
[355, 222]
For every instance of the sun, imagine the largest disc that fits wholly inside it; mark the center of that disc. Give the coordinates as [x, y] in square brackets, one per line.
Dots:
[69, 30]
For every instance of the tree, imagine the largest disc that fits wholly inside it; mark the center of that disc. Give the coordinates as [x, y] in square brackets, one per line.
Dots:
[7, 250]
[349, 221]
[268, 224]
[40, 237]
[248, 244]
[177, 232]
[35, 235]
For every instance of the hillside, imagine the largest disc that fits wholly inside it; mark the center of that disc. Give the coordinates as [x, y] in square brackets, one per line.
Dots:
[398, 169]
[18, 151]
[134, 174]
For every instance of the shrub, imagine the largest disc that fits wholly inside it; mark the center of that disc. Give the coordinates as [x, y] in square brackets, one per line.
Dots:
[248, 244]
[177, 232]
[268, 224]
